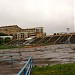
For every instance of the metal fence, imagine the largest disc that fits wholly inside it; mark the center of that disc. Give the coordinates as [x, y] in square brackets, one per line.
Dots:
[26, 69]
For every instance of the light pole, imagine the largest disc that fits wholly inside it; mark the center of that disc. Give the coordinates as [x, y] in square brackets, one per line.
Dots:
[69, 37]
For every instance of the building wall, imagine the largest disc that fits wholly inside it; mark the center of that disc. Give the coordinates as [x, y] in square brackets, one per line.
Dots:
[19, 33]
[10, 30]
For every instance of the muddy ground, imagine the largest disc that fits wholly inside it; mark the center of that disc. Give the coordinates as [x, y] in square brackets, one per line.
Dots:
[46, 55]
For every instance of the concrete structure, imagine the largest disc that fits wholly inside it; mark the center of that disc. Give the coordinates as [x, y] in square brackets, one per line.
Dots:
[19, 33]
[10, 30]
[36, 32]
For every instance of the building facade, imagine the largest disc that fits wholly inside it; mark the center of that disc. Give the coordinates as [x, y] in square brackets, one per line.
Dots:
[10, 30]
[19, 33]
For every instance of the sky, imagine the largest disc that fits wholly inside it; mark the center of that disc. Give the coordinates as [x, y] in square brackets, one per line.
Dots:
[54, 15]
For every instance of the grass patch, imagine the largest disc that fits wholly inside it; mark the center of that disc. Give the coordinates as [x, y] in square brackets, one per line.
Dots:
[9, 47]
[60, 69]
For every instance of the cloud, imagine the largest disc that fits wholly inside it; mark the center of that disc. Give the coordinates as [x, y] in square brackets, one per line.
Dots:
[53, 15]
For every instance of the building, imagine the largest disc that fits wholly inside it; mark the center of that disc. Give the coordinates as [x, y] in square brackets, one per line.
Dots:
[19, 33]
[10, 30]
[34, 32]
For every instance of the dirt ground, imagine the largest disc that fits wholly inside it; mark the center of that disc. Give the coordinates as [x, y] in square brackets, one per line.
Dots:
[46, 55]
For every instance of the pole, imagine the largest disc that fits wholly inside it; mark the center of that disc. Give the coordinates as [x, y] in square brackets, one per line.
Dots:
[68, 38]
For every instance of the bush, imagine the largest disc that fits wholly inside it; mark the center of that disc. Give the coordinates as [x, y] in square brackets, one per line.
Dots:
[7, 39]
[1, 41]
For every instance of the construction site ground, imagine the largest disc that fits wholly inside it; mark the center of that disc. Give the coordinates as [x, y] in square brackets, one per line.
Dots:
[44, 55]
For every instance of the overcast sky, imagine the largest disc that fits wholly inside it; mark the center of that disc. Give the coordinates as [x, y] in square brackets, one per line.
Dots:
[53, 15]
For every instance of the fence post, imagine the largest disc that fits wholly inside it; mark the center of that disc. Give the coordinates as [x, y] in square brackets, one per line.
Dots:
[24, 72]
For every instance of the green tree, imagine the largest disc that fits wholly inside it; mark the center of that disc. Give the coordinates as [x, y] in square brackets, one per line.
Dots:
[1, 41]
[7, 39]
[54, 33]
[57, 33]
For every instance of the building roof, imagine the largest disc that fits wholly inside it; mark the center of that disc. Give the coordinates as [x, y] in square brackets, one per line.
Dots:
[10, 26]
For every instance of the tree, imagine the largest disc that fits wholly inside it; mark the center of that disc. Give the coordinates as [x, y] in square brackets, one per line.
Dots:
[7, 39]
[54, 33]
[1, 41]
[57, 33]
